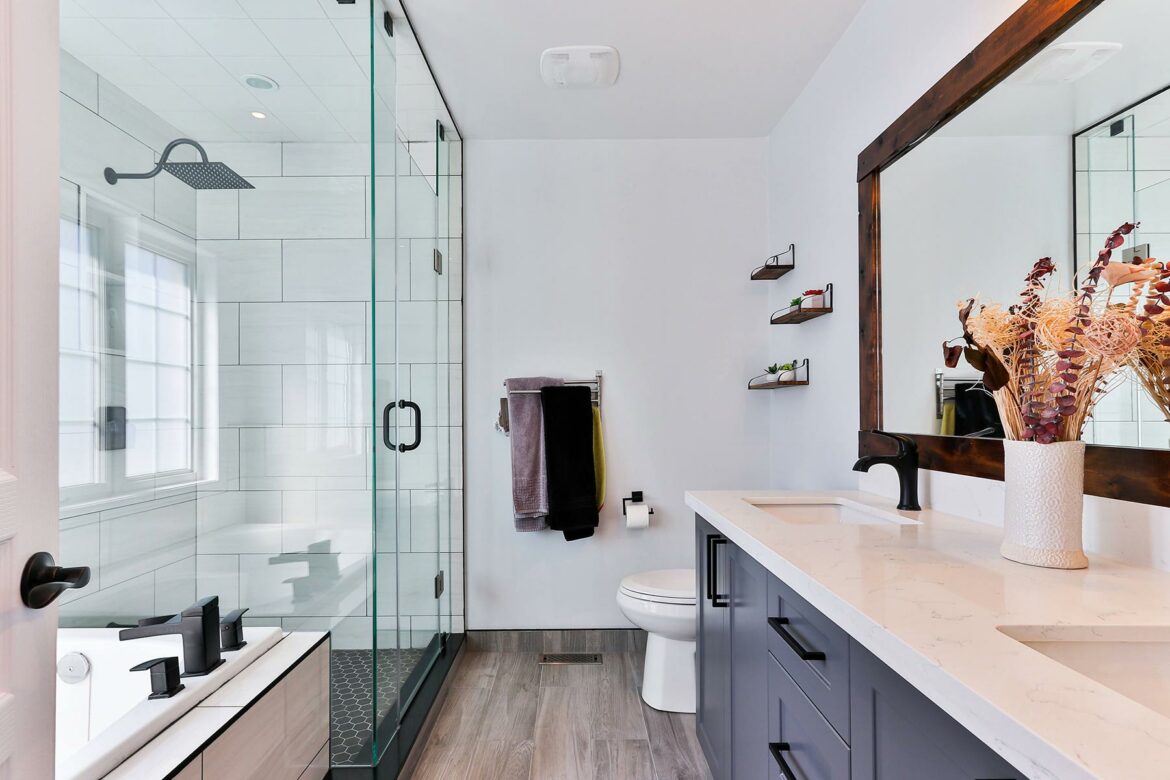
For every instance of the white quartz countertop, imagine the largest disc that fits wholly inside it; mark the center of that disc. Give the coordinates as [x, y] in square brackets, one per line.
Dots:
[928, 600]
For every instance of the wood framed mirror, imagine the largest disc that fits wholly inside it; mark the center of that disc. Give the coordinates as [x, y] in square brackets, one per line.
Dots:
[1003, 80]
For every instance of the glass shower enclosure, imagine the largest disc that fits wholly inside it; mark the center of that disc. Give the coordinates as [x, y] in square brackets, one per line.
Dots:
[262, 387]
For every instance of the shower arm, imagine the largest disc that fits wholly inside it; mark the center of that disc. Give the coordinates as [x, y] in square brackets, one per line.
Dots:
[112, 176]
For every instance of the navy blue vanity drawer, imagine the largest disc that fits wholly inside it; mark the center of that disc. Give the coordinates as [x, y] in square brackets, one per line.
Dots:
[801, 739]
[813, 650]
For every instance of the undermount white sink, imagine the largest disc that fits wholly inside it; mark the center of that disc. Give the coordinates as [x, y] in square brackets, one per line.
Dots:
[828, 512]
[1132, 660]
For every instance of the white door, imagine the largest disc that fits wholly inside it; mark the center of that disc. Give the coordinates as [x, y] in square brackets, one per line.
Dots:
[28, 377]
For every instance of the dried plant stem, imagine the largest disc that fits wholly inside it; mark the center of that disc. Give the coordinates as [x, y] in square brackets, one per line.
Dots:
[1053, 360]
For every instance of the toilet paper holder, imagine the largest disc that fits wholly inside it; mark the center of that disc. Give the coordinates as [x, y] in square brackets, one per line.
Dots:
[635, 497]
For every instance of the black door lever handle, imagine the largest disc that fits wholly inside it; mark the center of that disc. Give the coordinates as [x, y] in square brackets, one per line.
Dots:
[43, 580]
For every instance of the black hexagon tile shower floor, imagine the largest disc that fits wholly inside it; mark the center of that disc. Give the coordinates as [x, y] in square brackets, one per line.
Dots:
[352, 697]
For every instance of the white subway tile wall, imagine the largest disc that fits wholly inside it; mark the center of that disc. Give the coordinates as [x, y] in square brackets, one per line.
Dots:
[282, 516]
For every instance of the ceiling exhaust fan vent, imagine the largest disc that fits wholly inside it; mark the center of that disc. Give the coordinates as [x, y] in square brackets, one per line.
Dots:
[575, 67]
[1063, 63]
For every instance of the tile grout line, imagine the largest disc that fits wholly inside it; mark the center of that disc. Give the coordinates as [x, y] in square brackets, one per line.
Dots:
[536, 718]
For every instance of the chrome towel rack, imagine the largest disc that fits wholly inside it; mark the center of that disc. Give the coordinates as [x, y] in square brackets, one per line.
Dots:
[502, 423]
[945, 390]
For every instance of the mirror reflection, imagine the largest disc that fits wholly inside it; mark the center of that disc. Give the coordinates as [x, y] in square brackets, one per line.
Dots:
[1071, 146]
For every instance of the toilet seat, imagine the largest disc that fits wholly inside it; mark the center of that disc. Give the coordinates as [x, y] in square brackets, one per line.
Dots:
[662, 586]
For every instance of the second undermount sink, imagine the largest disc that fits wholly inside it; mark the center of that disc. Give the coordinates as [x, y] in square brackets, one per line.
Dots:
[1132, 660]
[829, 512]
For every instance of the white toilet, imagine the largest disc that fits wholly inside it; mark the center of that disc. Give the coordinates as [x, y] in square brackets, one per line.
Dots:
[663, 603]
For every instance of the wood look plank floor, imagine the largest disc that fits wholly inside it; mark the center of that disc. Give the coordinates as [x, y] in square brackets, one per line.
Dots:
[508, 718]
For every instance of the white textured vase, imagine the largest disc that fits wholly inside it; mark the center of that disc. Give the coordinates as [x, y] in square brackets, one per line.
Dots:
[1044, 503]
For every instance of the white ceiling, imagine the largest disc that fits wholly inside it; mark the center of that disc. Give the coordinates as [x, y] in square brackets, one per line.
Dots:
[689, 69]
[184, 59]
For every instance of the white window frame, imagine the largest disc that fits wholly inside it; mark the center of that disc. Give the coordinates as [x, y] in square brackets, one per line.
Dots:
[113, 228]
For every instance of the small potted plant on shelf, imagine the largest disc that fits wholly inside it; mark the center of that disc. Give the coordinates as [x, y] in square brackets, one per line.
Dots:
[785, 372]
[813, 299]
[769, 375]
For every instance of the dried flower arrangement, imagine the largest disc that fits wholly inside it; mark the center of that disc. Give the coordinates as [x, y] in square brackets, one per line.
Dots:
[1149, 300]
[1048, 362]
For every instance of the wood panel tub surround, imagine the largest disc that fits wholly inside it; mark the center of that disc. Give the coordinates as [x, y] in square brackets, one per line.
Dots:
[1126, 473]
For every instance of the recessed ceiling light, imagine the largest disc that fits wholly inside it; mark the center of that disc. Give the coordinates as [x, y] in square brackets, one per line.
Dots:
[258, 81]
[259, 115]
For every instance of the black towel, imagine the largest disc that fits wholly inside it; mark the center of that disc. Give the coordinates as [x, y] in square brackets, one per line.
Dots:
[568, 454]
[975, 411]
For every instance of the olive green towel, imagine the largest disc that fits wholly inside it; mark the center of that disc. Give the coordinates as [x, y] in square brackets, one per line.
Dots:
[947, 426]
[598, 457]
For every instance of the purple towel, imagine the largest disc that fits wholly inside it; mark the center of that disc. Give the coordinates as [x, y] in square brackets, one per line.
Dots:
[529, 479]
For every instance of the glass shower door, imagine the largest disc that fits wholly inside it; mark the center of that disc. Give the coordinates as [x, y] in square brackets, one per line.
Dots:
[410, 318]
[406, 390]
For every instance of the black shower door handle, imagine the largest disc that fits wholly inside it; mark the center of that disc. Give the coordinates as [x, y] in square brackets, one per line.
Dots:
[417, 426]
[386, 413]
[386, 426]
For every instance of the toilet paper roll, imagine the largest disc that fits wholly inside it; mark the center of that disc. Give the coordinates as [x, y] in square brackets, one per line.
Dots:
[637, 515]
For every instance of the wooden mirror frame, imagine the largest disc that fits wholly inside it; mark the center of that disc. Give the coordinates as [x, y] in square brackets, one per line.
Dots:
[1126, 473]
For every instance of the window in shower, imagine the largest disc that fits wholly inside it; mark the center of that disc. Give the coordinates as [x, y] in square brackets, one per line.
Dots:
[158, 365]
[126, 342]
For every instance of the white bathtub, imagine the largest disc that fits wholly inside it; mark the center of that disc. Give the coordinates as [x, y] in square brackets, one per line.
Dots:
[103, 719]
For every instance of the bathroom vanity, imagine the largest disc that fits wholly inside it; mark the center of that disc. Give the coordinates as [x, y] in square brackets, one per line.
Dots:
[842, 639]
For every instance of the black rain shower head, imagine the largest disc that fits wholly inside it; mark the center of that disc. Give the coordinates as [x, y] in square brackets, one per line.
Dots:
[199, 175]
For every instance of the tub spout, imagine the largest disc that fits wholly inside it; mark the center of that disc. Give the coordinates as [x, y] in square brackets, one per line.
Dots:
[198, 624]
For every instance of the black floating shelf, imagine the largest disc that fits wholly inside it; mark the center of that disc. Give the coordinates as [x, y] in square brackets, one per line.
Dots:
[773, 268]
[801, 379]
[794, 315]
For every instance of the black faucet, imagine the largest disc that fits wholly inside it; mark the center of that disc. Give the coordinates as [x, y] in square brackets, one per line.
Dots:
[198, 624]
[905, 463]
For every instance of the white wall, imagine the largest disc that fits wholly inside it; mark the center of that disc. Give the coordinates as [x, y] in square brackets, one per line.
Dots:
[631, 257]
[892, 53]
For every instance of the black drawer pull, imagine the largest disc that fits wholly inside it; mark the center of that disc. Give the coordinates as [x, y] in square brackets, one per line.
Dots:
[778, 749]
[714, 541]
[802, 652]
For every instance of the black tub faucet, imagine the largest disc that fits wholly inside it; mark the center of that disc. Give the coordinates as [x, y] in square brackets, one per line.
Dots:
[198, 624]
[905, 462]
